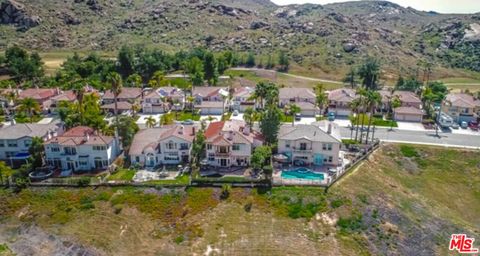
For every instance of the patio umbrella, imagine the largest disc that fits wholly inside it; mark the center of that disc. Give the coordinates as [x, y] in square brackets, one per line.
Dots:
[280, 158]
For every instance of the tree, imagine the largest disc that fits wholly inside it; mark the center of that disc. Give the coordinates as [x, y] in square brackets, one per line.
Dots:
[166, 119]
[5, 172]
[270, 123]
[395, 104]
[157, 79]
[249, 116]
[210, 69]
[270, 62]
[134, 80]
[350, 77]
[260, 157]
[127, 128]
[372, 100]
[294, 109]
[410, 84]
[283, 61]
[125, 61]
[79, 91]
[151, 122]
[30, 106]
[36, 151]
[115, 81]
[198, 145]
[369, 73]
[321, 97]
[250, 60]
[194, 68]
[23, 66]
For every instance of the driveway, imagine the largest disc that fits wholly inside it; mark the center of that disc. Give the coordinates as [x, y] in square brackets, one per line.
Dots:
[342, 122]
[410, 126]
[306, 120]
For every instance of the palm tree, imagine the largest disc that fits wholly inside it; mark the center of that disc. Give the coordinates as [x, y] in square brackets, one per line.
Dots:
[321, 98]
[116, 85]
[427, 98]
[355, 105]
[373, 99]
[30, 106]
[151, 122]
[79, 91]
[369, 73]
[395, 104]
[190, 100]
[360, 109]
[248, 116]
[157, 79]
[294, 109]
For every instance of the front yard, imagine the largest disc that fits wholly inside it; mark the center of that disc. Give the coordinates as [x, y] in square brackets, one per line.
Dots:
[375, 121]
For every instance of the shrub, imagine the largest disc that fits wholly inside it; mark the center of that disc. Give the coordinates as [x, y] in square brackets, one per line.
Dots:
[408, 151]
[83, 182]
[248, 206]
[337, 203]
[226, 188]
[350, 224]
[179, 239]
[117, 209]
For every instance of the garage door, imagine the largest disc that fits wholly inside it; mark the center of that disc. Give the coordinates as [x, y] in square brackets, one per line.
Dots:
[212, 111]
[342, 112]
[408, 118]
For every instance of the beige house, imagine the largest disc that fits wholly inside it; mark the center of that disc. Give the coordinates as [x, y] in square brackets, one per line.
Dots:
[163, 99]
[165, 145]
[210, 100]
[408, 114]
[316, 144]
[128, 94]
[339, 101]
[230, 143]
[461, 107]
[302, 97]
[241, 98]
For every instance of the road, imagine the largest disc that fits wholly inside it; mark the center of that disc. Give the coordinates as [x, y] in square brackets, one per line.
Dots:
[422, 137]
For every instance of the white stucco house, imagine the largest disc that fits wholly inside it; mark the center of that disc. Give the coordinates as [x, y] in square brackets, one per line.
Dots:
[241, 99]
[15, 140]
[162, 146]
[210, 100]
[316, 144]
[230, 143]
[81, 149]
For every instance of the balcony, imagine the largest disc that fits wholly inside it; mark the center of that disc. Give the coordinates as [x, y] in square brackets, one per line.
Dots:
[218, 153]
[302, 150]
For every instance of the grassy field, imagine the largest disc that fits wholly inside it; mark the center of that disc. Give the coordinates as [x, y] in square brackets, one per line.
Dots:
[400, 201]
[123, 175]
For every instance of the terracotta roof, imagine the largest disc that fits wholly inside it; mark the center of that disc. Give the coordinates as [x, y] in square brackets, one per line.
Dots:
[65, 96]
[214, 129]
[232, 131]
[407, 96]
[289, 93]
[37, 94]
[462, 100]
[408, 110]
[78, 136]
[126, 93]
[243, 92]
[121, 105]
[342, 95]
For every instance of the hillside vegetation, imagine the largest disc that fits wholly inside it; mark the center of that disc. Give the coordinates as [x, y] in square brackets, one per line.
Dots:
[400, 201]
[321, 40]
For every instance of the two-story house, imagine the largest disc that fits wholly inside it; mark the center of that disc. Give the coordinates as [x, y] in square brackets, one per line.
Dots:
[163, 99]
[461, 107]
[81, 149]
[66, 96]
[230, 143]
[165, 145]
[210, 100]
[15, 140]
[241, 98]
[40, 95]
[302, 97]
[316, 144]
[339, 101]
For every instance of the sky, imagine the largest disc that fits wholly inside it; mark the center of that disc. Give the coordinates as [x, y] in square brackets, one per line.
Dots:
[442, 6]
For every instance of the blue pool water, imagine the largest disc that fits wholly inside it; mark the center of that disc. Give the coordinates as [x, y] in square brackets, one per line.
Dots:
[302, 173]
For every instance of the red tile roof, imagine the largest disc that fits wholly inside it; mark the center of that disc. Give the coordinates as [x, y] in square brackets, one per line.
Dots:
[78, 136]
[214, 129]
[37, 94]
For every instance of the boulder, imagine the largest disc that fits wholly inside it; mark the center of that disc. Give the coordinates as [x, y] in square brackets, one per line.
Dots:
[12, 12]
[349, 47]
[258, 25]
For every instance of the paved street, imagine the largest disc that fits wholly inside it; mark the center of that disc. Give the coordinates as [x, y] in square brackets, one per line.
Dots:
[423, 137]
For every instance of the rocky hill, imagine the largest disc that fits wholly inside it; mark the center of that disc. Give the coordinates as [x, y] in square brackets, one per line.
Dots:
[316, 37]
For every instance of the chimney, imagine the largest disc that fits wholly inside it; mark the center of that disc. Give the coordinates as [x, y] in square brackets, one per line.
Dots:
[246, 130]
[181, 129]
[329, 130]
[87, 136]
[193, 130]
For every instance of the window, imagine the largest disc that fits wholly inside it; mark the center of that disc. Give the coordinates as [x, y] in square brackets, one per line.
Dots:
[171, 145]
[330, 159]
[287, 144]
[326, 146]
[137, 159]
[83, 162]
[12, 143]
[303, 146]
[70, 151]
[209, 146]
[223, 150]
[99, 148]
[236, 147]
[2, 144]
[10, 154]
[183, 146]
[55, 149]
[27, 143]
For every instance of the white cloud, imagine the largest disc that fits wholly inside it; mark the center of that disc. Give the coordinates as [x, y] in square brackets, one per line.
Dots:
[443, 6]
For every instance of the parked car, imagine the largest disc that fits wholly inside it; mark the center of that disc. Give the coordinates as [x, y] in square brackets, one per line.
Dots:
[331, 116]
[464, 125]
[298, 117]
[235, 113]
[455, 126]
[188, 122]
[473, 126]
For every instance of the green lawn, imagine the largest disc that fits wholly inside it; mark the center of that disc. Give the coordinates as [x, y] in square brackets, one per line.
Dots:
[123, 174]
[286, 118]
[187, 115]
[250, 75]
[21, 119]
[376, 121]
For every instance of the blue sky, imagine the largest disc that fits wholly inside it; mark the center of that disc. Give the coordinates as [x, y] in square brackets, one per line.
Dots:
[443, 6]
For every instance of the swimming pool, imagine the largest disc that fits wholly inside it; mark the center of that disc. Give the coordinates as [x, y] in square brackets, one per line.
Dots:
[302, 173]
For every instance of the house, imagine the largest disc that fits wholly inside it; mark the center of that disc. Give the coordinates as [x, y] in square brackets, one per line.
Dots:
[122, 107]
[81, 149]
[315, 144]
[163, 99]
[42, 96]
[210, 100]
[308, 108]
[165, 145]
[408, 99]
[66, 96]
[461, 107]
[128, 94]
[339, 101]
[241, 98]
[408, 114]
[294, 95]
[6, 102]
[15, 140]
[230, 143]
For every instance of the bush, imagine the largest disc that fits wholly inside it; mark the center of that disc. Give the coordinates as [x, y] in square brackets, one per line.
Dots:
[179, 239]
[83, 182]
[248, 206]
[117, 209]
[350, 224]
[268, 170]
[408, 151]
[226, 188]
